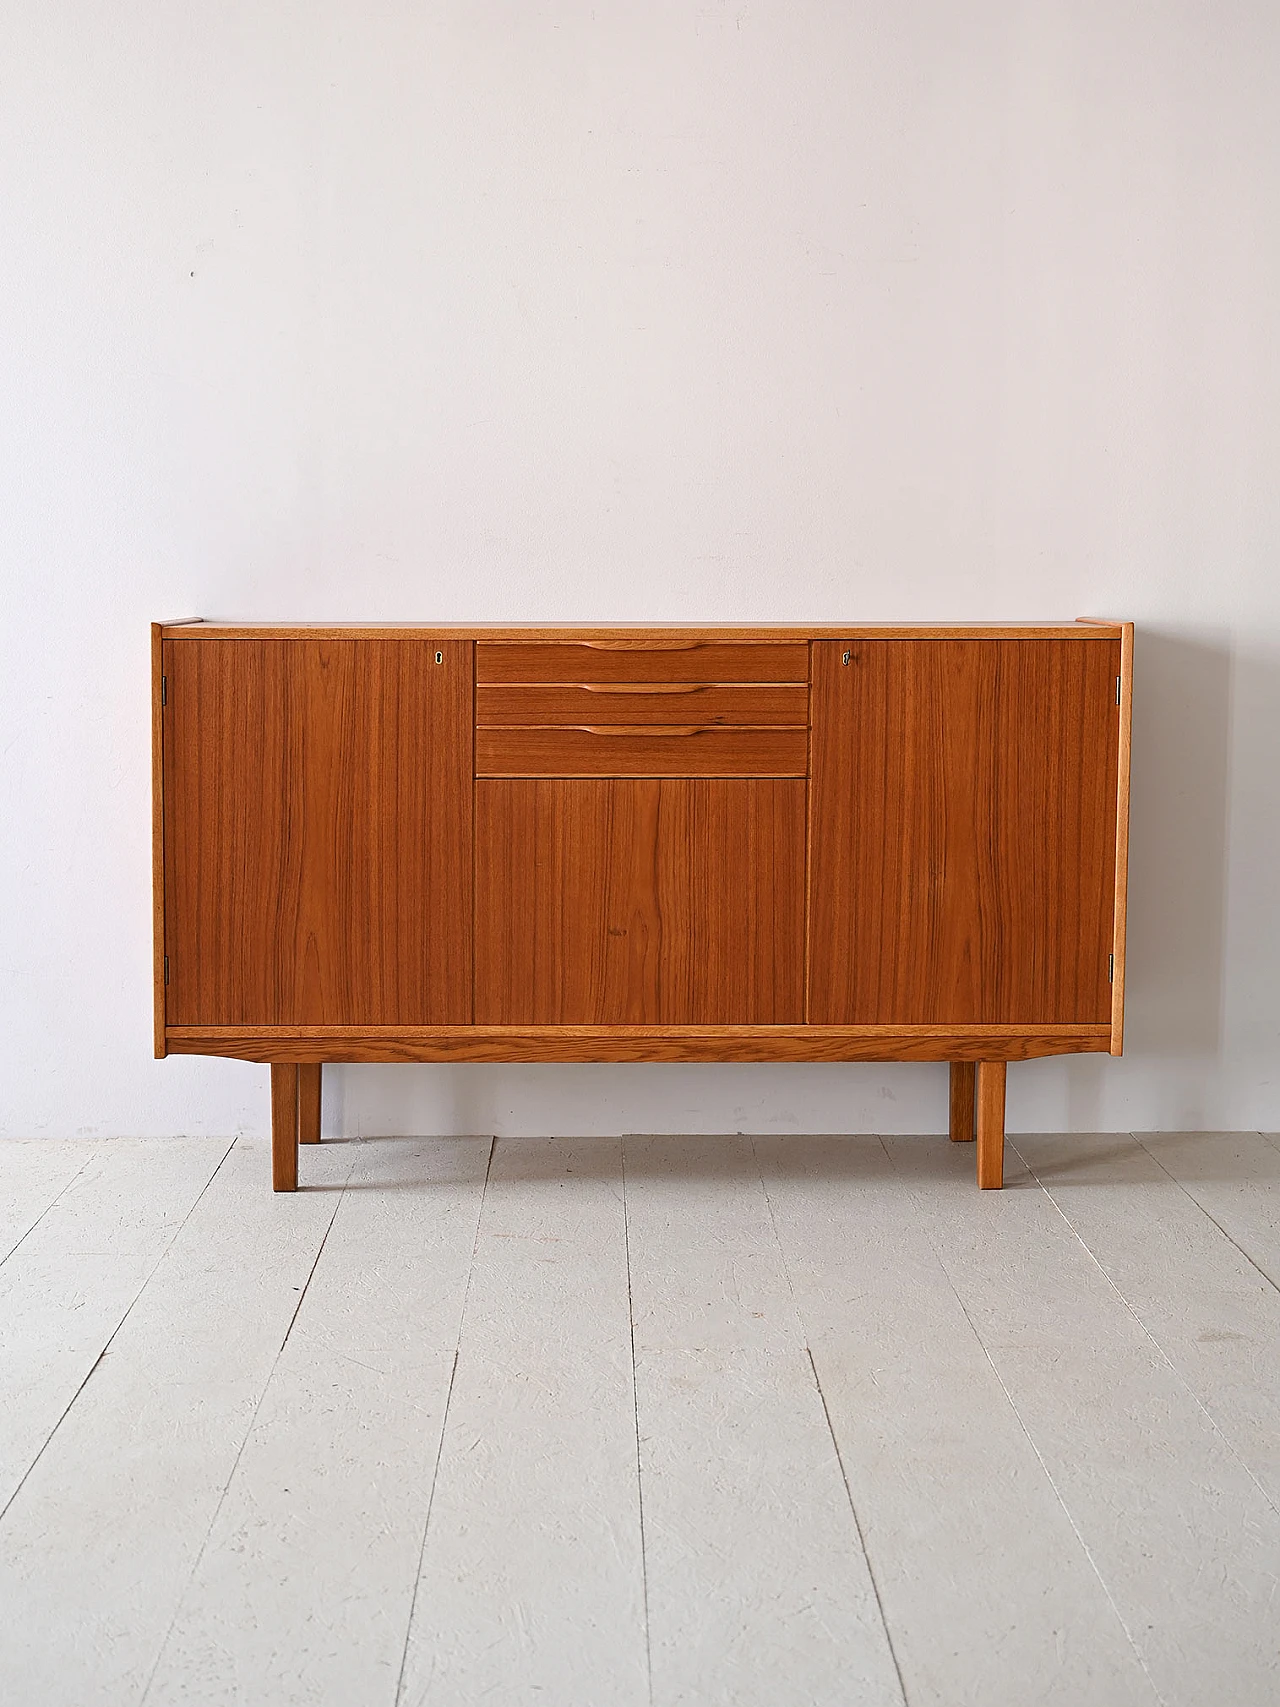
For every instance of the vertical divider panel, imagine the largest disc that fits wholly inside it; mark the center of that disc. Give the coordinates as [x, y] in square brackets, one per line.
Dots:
[157, 841]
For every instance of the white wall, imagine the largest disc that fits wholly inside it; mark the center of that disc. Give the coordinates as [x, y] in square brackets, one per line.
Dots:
[805, 310]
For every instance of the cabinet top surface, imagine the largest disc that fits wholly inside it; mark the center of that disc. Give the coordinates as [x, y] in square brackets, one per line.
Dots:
[1085, 628]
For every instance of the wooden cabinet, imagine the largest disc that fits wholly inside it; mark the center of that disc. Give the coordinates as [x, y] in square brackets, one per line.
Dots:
[411, 844]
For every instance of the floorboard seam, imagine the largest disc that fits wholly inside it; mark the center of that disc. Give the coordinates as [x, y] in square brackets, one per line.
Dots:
[1146, 1331]
[426, 1524]
[444, 1424]
[635, 1408]
[17, 1245]
[1186, 1190]
[1009, 1400]
[777, 1239]
[857, 1525]
[147, 1279]
[231, 1474]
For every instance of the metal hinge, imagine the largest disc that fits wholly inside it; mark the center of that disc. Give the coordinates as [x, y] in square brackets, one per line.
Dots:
[164, 690]
[1111, 969]
[1117, 690]
[166, 969]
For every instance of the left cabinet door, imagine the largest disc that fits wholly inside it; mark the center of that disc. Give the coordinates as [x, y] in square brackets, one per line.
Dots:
[317, 831]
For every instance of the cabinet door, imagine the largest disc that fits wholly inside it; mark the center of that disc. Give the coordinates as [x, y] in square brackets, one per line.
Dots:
[639, 901]
[962, 825]
[317, 823]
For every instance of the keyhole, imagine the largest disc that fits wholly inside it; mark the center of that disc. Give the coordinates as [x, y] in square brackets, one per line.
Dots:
[846, 657]
[440, 658]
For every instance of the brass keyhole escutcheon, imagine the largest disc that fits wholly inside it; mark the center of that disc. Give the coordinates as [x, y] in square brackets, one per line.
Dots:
[439, 657]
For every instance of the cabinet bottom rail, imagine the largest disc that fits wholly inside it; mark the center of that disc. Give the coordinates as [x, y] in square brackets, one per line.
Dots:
[301, 1045]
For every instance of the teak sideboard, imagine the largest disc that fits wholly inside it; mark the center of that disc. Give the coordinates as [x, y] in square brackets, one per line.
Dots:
[417, 843]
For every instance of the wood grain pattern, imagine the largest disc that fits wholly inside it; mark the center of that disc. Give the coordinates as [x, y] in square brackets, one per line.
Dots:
[317, 832]
[656, 657]
[284, 1126]
[962, 1114]
[644, 702]
[533, 1043]
[616, 750]
[639, 902]
[157, 842]
[990, 1099]
[962, 828]
[1122, 838]
[309, 1087]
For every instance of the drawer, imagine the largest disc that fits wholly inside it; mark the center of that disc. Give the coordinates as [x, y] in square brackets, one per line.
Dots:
[620, 749]
[645, 702]
[642, 661]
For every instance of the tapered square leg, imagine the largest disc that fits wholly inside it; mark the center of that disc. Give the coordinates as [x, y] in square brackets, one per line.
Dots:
[991, 1076]
[284, 1127]
[963, 1079]
[309, 1103]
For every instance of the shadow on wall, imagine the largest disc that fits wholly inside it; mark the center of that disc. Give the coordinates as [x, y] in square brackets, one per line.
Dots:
[1178, 843]
[1178, 811]
[1177, 854]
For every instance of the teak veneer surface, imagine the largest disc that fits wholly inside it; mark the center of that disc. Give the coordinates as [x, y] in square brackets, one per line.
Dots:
[648, 750]
[962, 834]
[642, 659]
[755, 704]
[633, 902]
[317, 818]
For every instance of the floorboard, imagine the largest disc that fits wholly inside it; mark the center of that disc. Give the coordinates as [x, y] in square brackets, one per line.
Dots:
[531, 1588]
[72, 1280]
[706, 1268]
[304, 1589]
[644, 1423]
[759, 1593]
[97, 1548]
[758, 1586]
[34, 1172]
[1180, 1533]
[1235, 1178]
[1204, 1303]
[989, 1596]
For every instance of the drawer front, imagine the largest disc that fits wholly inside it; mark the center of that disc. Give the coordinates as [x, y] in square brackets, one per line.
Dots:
[627, 750]
[642, 661]
[644, 702]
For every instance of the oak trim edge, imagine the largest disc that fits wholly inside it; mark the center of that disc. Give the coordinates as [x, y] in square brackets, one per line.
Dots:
[581, 1043]
[640, 634]
[157, 843]
[1122, 840]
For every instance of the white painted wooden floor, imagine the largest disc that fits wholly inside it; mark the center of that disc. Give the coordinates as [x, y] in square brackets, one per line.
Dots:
[592, 1423]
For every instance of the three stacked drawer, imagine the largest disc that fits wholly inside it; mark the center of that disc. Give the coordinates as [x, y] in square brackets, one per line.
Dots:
[622, 708]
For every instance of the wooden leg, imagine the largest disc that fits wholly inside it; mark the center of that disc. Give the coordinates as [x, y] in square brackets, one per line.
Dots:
[309, 1104]
[991, 1124]
[284, 1127]
[962, 1083]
